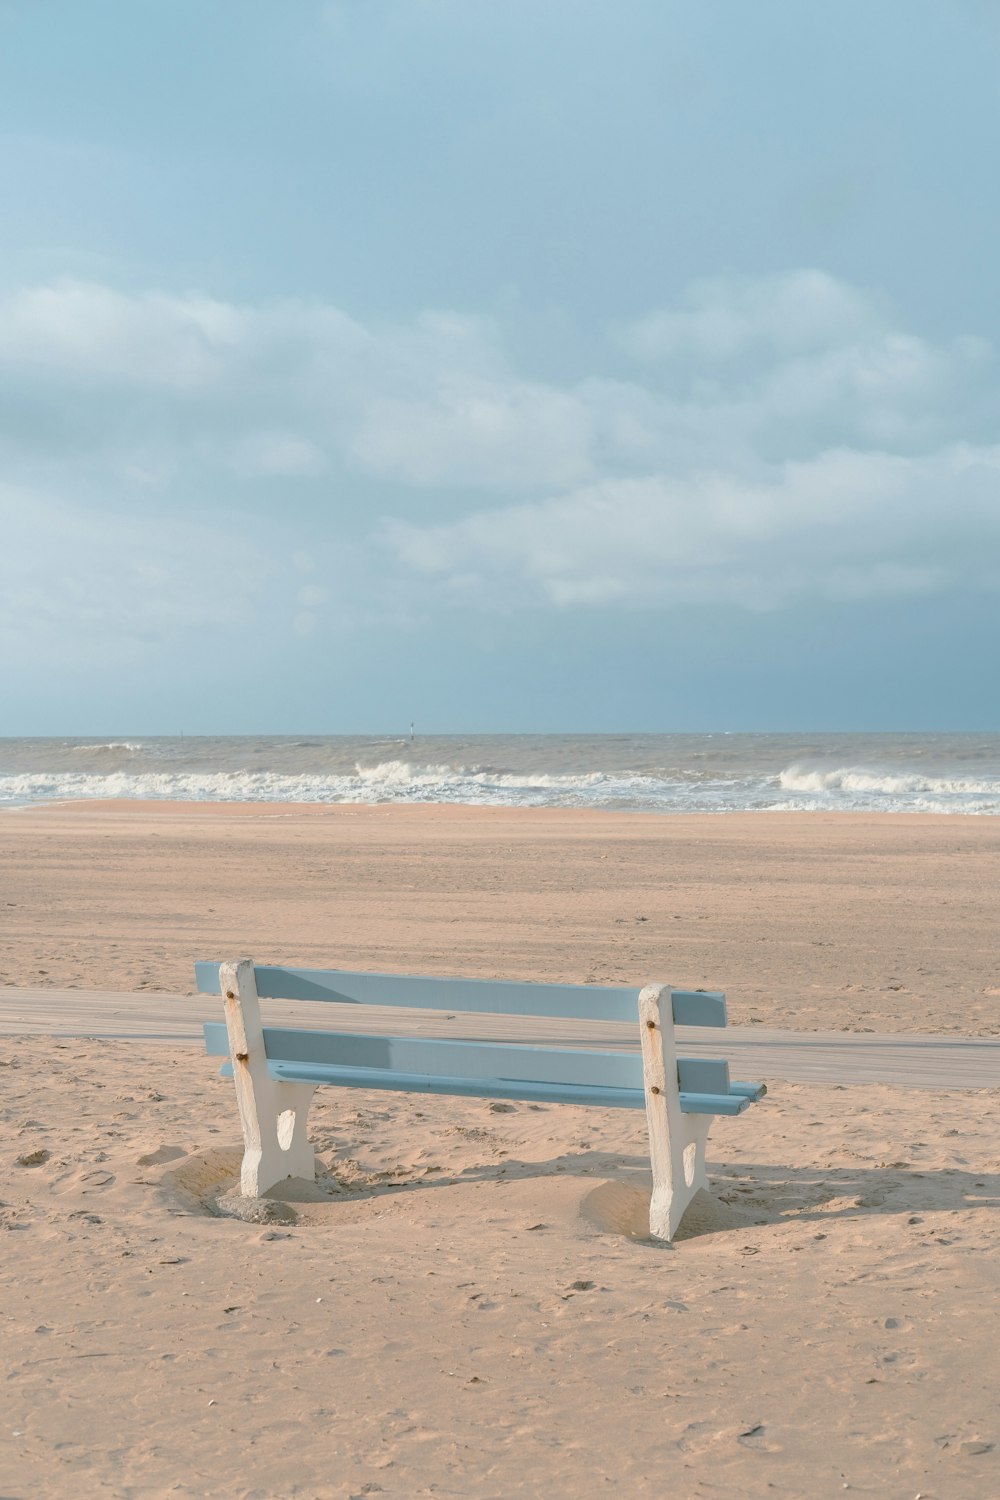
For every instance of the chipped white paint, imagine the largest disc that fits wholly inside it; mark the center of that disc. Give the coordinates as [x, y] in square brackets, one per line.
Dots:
[273, 1114]
[676, 1140]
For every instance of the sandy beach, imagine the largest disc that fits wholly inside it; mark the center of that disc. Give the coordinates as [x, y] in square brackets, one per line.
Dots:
[507, 493]
[808, 921]
[465, 1304]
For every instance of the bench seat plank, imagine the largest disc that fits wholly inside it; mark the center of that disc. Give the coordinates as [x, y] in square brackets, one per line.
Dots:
[469, 1088]
[489, 1060]
[491, 1088]
[714, 1104]
[752, 1091]
[479, 1070]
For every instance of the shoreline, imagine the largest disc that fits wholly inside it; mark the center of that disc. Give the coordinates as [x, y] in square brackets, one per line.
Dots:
[237, 807]
[662, 773]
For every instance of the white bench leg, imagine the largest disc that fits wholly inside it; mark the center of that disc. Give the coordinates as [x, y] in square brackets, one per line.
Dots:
[273, 1115]
[297, 1158]
[676, 1141]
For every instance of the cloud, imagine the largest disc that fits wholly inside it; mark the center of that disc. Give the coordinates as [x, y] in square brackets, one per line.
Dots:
[773, 440]
[790, 444]
[277, 454]
[724, 319]
[280, 390]
[86, 329]
[842, 526]
[92, 585]
[509, 435]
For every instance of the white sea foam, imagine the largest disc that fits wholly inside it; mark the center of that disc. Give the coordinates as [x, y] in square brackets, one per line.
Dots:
[389, 781]
[665, 774]
[399, 773]
[980, 807]
[857, 779]
[126, 745]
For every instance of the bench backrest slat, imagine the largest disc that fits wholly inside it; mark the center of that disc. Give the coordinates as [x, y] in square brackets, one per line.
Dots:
[582, 1002]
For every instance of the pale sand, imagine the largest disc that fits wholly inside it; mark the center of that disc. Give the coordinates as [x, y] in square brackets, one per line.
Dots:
[807, 921]
[411, 1326]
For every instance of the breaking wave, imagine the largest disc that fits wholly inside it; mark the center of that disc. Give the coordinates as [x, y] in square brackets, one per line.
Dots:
[129, 746]
[858, 789]
[399, 773]
[852, 779]
[700, 775]
[389, 781]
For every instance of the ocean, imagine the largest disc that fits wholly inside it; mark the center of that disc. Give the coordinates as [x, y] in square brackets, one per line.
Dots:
[658, 773]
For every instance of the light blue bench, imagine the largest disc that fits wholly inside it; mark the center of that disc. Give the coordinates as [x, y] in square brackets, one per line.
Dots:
[276, 1069]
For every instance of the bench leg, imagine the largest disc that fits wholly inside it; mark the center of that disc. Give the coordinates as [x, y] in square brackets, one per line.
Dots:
[276, 1146]
[273, 1114]
[298, 1158]
[676, 1141]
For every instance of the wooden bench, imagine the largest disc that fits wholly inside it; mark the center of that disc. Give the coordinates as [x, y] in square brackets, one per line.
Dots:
[276, 1069]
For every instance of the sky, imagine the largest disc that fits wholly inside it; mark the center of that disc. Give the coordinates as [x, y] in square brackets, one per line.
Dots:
[499, 365]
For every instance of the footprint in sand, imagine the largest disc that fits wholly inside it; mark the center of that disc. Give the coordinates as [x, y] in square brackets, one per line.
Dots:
[92, 1182]
[701, 1437]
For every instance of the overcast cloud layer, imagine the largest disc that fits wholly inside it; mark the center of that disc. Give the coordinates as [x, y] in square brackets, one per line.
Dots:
[202, 481]
[773, 439]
